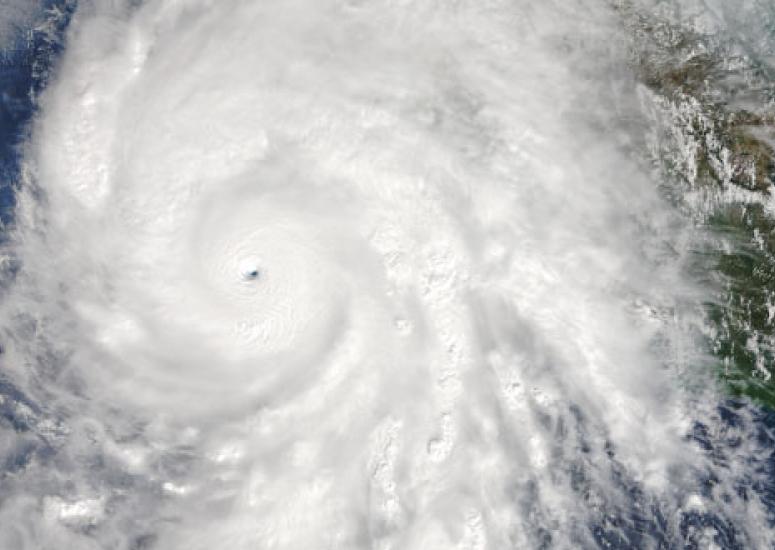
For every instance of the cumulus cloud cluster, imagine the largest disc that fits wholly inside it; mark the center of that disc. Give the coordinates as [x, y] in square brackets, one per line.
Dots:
[348, 274]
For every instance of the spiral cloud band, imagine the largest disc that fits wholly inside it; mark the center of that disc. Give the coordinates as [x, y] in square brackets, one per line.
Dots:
[353, 274]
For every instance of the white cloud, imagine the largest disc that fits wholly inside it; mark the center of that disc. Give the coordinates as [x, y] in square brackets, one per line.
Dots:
[452, 165]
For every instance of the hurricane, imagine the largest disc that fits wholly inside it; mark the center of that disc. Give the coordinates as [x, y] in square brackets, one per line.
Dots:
[380, 274]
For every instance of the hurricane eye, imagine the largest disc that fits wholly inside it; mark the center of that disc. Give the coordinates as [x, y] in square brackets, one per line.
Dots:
[249, 271]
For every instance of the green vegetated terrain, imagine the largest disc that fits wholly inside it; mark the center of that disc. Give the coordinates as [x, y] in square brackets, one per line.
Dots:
[714, 105]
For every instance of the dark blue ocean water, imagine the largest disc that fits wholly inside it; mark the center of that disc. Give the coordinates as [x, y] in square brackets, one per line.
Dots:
[25, 68]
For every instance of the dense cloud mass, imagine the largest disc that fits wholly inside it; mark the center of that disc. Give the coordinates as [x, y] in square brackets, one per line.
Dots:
[356, 274]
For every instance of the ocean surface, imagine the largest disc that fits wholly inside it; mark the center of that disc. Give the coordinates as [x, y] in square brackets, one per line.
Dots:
[387, 274]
